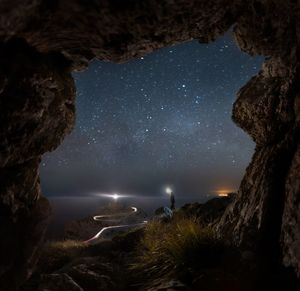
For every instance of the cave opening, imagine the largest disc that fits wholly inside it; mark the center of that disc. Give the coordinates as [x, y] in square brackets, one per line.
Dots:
[43, 43]
[164, 118]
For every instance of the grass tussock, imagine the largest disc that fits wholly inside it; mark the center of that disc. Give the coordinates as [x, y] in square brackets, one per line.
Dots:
[178, 247]
[56, 254]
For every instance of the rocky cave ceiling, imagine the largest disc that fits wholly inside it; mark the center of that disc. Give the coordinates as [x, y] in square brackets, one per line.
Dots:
[43, 41]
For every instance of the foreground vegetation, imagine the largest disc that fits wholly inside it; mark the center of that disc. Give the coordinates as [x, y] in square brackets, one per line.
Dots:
[177, 248]
[183, 251]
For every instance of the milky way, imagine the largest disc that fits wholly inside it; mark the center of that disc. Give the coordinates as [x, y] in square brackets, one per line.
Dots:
[161, 119]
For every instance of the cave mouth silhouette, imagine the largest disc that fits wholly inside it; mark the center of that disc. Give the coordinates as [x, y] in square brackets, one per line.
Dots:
[106, 90]
[42, 43]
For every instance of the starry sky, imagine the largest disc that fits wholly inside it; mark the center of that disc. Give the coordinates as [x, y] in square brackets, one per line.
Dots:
[162, 119]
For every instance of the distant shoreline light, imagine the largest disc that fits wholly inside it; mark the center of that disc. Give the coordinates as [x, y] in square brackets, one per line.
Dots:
[224, 192]
[114, 196]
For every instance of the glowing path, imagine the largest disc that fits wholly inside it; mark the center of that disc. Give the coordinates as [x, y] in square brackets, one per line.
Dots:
[99, 217]
[97, 236]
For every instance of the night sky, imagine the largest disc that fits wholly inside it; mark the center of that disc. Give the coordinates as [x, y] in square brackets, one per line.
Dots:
[157, 120]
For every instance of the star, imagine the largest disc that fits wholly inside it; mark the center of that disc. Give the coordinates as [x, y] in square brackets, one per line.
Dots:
[164, 115]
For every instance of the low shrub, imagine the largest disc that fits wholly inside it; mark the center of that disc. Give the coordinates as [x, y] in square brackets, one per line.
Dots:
[179, 247]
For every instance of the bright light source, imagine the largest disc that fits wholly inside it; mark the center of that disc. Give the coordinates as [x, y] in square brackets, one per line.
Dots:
[115, 196]
[223, 192]
[169, 190]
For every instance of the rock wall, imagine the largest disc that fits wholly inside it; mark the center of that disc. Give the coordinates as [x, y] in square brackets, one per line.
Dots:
[264, 215]
[265, 109]
[114, 30]
[42, 40]
[37, 110]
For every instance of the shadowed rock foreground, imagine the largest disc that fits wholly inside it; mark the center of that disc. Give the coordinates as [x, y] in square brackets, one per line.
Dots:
[42, 42]
[181, 253]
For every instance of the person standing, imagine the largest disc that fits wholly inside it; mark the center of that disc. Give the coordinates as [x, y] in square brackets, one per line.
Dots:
[172, 200]
[169, 191]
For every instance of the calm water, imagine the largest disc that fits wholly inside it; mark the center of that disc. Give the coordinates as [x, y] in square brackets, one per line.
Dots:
[65, 209]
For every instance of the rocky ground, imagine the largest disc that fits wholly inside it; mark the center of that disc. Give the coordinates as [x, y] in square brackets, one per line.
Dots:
[43, 42]
[108, 265]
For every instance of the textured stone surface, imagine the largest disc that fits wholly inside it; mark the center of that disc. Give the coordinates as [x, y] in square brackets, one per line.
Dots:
[114, 30]
[95, 273]
[58, 282]
[20, 243]
[36, 101]
[92, 274]
[166, 285]
[253, 220]
[266, 108]
[37, 91]
[269, 27]
[37, 111]
[23, 220]
[291, 217]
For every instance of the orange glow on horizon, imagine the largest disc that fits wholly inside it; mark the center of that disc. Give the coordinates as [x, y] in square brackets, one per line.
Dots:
[223, 192]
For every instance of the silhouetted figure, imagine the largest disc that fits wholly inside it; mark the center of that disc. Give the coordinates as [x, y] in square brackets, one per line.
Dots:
[172, 200]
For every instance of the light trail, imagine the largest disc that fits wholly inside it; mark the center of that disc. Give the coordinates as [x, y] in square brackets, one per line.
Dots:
[101, 217]
[94, 238]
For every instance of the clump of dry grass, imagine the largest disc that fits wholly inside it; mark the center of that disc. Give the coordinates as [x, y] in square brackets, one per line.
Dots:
[178, 247]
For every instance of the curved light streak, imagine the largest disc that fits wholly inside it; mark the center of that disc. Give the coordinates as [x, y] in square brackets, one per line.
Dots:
[100, 217]
[95, 237]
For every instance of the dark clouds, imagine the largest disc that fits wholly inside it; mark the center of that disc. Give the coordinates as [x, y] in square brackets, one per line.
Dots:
[164, 118]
